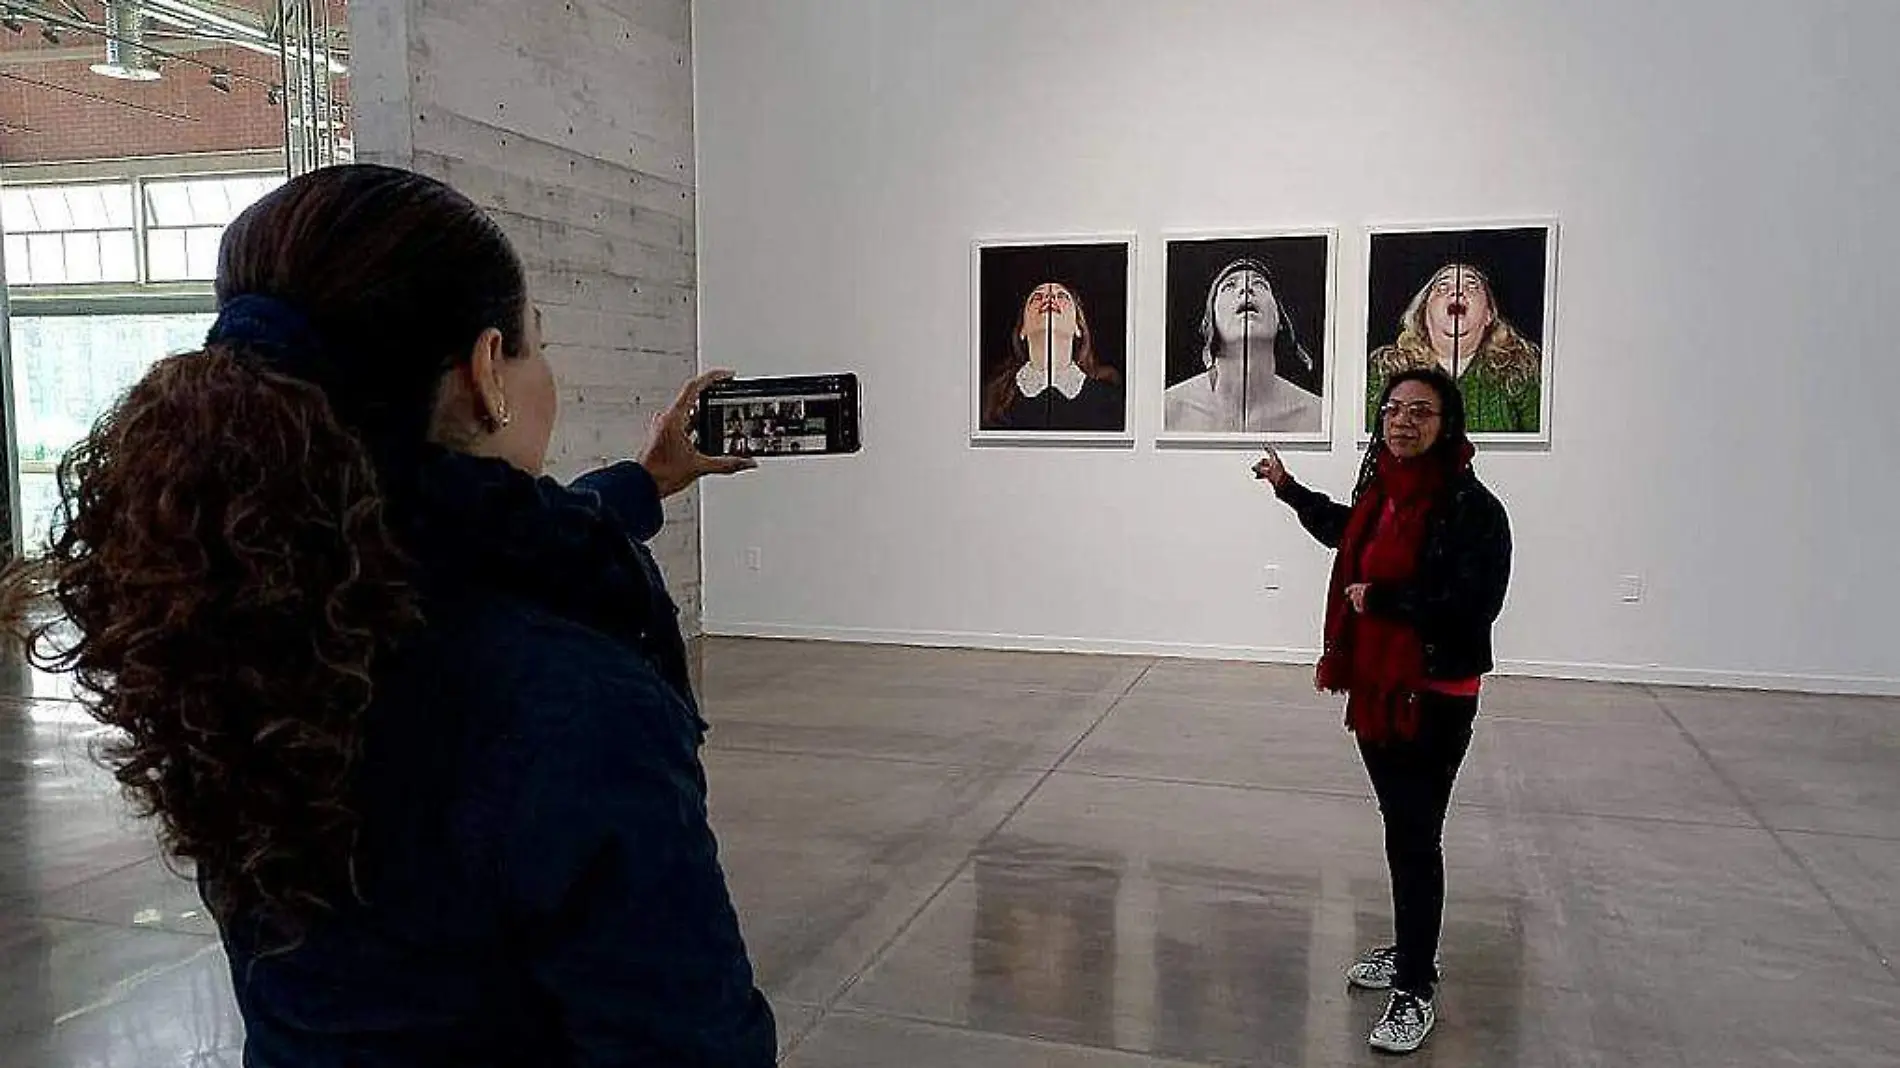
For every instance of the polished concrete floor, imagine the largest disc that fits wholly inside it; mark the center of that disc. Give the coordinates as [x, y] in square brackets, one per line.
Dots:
[955, 858]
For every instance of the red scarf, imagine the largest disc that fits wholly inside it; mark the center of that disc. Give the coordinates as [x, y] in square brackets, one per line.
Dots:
[1378, 662]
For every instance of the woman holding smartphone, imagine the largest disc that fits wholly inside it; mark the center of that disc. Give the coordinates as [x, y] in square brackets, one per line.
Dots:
[1423, 562]
[418, 715]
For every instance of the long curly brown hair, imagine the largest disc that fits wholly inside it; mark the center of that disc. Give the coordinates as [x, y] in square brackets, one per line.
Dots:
[224, 556]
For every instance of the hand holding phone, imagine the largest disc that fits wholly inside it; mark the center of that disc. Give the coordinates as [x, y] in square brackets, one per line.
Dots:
[671, 457]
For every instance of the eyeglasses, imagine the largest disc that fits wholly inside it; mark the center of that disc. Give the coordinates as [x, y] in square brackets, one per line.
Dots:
[1419, 411]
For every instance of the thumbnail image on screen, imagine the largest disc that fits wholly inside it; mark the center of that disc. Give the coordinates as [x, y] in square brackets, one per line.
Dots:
[784, 426]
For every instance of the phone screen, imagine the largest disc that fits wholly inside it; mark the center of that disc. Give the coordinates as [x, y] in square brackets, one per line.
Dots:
[807, 415]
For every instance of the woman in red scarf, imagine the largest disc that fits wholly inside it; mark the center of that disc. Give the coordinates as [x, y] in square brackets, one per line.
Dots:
[1424, 556]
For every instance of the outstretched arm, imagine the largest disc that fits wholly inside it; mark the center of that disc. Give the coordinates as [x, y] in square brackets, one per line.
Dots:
[1324, 518]
[631, 492]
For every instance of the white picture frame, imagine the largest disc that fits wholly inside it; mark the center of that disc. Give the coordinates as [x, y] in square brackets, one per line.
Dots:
[1291, 275]
[1017, 257]
[1383, 283]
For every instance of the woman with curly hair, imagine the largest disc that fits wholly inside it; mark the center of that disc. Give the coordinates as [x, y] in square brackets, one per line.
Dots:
[1454, 324]
[418, 715]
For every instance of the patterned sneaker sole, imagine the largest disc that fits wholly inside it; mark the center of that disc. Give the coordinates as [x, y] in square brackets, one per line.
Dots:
[1383, 981]
[1359, 982]
[1400, 1049]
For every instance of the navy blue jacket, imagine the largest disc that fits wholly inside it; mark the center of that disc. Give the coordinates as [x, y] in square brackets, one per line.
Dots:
[537, 881]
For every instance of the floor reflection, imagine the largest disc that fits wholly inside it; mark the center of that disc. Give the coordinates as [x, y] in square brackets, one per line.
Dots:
[1213, 964]
[26, 984]
[1232, 961]
[1137, 917]
[1042, 955]
[180, 1014]
[1193, 962]
[26, 1005]
[1486, 973]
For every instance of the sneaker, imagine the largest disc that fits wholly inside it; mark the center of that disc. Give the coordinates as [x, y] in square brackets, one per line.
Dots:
[1375, 970]
[1407, 1021]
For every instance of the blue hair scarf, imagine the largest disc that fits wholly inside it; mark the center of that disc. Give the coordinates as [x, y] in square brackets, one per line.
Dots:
[270, 335]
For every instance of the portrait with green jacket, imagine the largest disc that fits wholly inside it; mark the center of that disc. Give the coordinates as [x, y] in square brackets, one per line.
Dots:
[1456, 323]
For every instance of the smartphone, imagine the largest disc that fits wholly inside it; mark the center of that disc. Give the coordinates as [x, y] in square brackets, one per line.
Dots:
[802, 415]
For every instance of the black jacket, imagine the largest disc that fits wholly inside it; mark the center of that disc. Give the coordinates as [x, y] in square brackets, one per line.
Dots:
[1463, 572]
[539, 882]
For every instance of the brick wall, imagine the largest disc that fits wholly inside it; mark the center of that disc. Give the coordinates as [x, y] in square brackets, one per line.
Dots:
[59, 126]
[573, 124]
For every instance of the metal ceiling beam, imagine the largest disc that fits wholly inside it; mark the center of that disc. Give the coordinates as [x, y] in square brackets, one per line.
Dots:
[35, 57]
[254, 36]
[202, 16]
[196, 19]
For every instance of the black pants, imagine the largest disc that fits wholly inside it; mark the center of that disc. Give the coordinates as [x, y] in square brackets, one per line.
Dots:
[1413, 779]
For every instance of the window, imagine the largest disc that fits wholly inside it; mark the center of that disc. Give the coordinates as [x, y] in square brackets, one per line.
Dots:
[70, 234]
[88, 233]
[70, 368]
[106, 278]
[67, 370]
[185, 219]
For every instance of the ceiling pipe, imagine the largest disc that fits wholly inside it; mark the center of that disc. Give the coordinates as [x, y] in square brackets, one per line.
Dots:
[178, 18]
[245, 35]
[125, 34]
[20, 58]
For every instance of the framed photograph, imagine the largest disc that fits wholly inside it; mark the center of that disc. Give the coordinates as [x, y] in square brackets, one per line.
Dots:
[1478, 301]
[1053, 327]
[1249, 338]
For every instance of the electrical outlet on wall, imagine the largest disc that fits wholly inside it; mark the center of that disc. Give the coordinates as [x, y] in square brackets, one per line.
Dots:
[1630, 590]
[754, 559]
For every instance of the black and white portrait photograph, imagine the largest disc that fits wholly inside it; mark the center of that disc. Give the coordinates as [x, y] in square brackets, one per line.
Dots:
[1052, 330]
[1247, 337]
[1476, 303]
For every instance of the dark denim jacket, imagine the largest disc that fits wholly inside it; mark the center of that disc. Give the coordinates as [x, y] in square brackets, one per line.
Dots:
[537, 881]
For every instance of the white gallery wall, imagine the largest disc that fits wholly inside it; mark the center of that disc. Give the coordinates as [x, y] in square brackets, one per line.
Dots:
[1726, 358]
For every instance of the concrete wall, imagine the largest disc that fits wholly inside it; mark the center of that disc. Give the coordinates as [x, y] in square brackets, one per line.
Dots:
[573, 124]
[1725, 373]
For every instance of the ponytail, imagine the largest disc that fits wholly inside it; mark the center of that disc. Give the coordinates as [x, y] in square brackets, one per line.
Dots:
[224, 570]
[222, 556]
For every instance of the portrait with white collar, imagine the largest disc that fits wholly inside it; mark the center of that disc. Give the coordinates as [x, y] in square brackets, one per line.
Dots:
[1052, 327]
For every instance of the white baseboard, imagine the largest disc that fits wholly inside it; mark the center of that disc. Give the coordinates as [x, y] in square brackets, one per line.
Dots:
[1021, 643]
[1704, 679]
[1637, 674]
